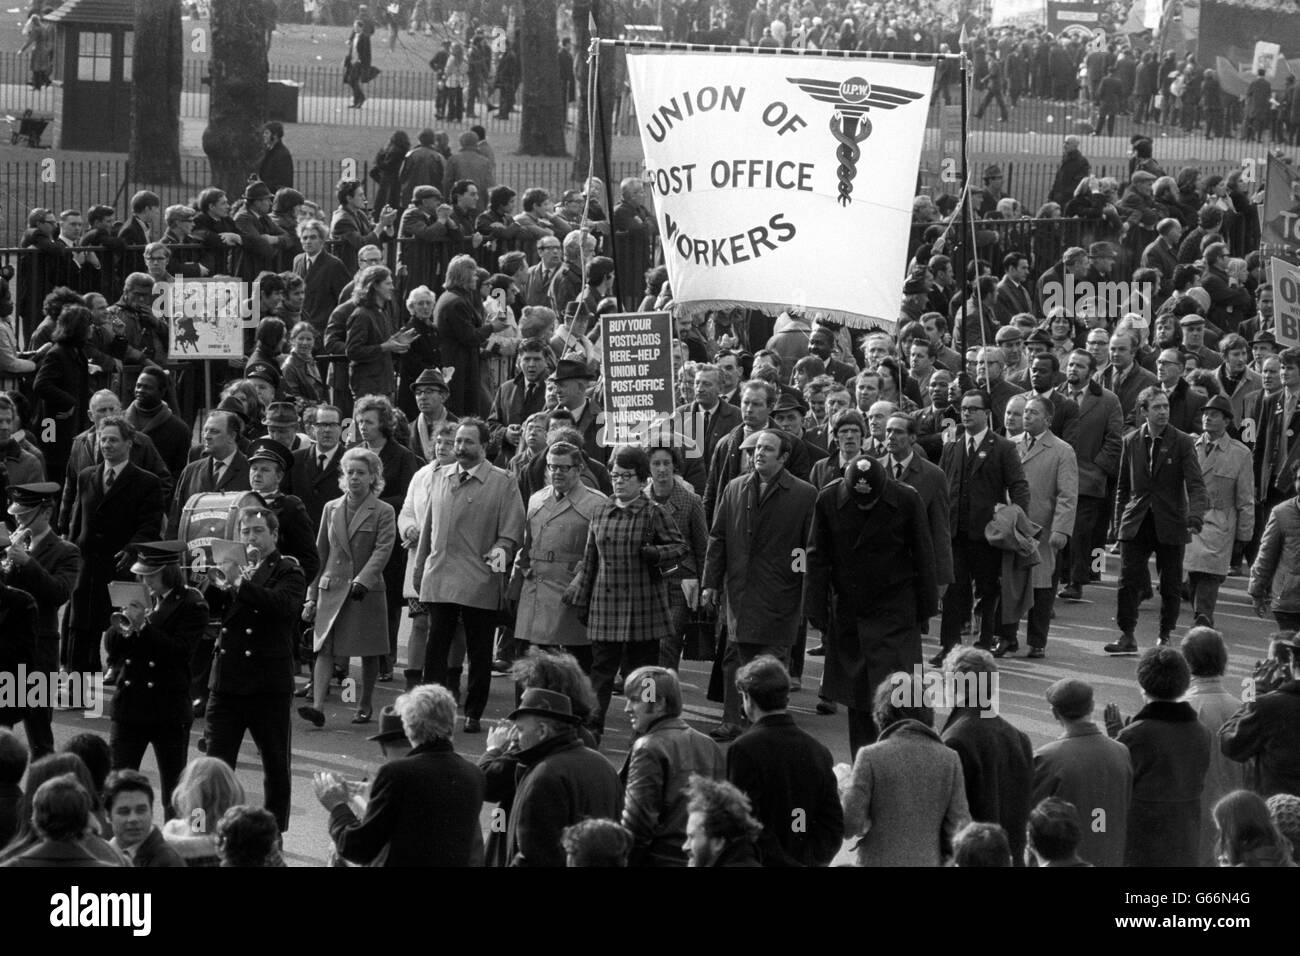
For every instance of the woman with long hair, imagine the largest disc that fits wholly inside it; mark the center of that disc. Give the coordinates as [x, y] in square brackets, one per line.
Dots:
[348, 601]
[1247, 834]
[463, 332]
[299, 372]
[388, 168]
[208, 788]
[372, 338]
[63, 385]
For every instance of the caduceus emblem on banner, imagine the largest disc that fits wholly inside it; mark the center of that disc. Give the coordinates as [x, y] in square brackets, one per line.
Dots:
[849, 124]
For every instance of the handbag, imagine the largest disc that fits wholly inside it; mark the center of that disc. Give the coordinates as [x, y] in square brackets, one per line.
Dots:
[700, 640]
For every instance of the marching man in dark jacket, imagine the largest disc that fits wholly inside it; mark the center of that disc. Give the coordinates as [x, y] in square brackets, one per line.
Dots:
[871, 584]
[560, 780]
[46, 567]
[154, 642]
[260, 604]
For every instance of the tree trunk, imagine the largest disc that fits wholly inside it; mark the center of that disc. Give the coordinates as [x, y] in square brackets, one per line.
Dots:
[237, 107]
[156, 79]
[541, 131]
[585, 161]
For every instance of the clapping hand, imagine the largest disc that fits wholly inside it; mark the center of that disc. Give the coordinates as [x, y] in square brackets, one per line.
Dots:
[330, 789]
[1114, 720]
[502, 736]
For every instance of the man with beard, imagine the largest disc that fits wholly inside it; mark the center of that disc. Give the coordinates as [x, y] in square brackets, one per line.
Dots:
[1097, 442]
[720, 829]
[46, 567]
[153, 419]
[872, 580]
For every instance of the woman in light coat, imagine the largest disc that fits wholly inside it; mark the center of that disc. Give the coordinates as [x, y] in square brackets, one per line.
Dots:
[1275, 576]
[348, 600]
[555, 539]
[905, 796]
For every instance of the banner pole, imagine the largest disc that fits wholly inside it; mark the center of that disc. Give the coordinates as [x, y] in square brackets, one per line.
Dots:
[960, 337]
[663, 46]
[606, 144]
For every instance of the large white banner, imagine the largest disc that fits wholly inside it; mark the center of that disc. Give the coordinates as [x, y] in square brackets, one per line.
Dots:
[783, 181]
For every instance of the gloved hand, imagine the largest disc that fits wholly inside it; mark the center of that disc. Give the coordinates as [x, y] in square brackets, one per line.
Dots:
[358, 591]
[650, 553]
[1195, 524]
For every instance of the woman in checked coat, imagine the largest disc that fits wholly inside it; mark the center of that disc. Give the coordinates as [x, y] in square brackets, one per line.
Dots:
[631, 545]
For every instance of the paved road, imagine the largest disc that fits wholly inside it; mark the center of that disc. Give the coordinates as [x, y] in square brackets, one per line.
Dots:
[1074, 649]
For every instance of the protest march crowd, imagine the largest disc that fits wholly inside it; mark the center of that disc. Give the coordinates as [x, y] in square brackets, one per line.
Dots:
[416, 431]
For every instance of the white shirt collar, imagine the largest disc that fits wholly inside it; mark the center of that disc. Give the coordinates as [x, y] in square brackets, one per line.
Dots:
[906, 462]
[977, 439]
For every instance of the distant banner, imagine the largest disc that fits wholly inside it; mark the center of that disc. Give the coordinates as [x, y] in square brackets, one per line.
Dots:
[783, 182]
[1286, 302]
[1082, 20]
[637, 374]
[205, 317]
[1280, 219]
[1018, 13]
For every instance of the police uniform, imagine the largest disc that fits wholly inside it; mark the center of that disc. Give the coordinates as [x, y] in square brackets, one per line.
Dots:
[297, 530]
[252, 671]
[17, 637]
[152, 701]
[49, 578]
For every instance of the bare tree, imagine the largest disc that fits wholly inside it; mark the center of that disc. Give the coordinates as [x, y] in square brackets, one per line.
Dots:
[156, 79]
[541, 131]
[240, 39]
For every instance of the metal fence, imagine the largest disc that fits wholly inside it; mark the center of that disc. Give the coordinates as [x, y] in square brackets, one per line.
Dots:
[77, 184]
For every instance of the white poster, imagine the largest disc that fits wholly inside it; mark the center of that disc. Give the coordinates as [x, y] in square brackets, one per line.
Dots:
[1266, 56]
[206, 317]
[1022, 13]
[783, 181]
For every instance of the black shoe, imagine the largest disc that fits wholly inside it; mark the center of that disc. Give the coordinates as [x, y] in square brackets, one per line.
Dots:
[200, 708]
[1166, 639]
[304, 691]
[1006, 647]
[472, 725]
[385, 678]
[202, 745]
[984, 645]
[1035, 653]
[309, 713]
[500, 667]
[724, 733]
[1071, 592]
[1125, 645]
[937, 660]
[818, 651]
[363, 717]
[1146, 594]
[110, 679]
[827, 707]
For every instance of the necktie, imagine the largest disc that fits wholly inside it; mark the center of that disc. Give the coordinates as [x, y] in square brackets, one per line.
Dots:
[216, 471]
[529, 393]
[464, 477]
[322, 459]
[108, 478]
[1029, 445]
[970, 450]
[898, 472]
[708, 417]
[1155, 446]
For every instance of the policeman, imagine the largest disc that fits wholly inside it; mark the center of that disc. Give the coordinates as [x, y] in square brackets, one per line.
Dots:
[17, 639]
[154, 637]
[46, 567]
[260, 604]
[268, 462]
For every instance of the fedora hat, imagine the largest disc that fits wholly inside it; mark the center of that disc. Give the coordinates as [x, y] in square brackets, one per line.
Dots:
[546, 703]
[571, 368]
[390, 726]
[1218, 404]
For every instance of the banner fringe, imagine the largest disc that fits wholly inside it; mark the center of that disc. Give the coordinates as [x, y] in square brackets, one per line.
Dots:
[852, 320]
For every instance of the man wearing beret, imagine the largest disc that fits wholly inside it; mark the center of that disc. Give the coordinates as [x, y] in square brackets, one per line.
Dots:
[1087, 768]
[46, 567]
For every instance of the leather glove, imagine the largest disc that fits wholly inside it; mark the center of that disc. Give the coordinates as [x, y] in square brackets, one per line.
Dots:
[650, 553]
[358, 591]
[1195, 524]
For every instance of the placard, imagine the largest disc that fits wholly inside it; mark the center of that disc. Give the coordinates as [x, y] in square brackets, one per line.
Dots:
[206, 317]
[637, 374]
[1286, 302]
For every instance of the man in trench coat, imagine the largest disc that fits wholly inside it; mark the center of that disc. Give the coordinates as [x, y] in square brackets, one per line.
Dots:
[871, 584]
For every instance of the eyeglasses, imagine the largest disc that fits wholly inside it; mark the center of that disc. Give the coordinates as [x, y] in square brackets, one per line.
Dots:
[972, 408]
[563, 469]
[156, 258]
[328, 424]
[615, 476]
